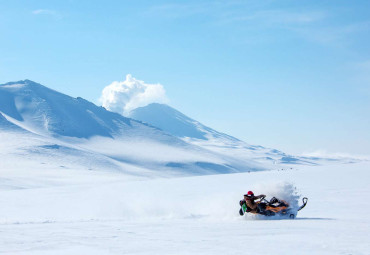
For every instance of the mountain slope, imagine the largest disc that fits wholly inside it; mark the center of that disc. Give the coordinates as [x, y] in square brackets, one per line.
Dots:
[58, 114]
[5, 124]
[176, 123]
[73, 126]
[192, 131]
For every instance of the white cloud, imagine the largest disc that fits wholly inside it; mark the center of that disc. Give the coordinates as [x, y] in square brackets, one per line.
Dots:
[124, 96]
[44, 11]
[51, 13]
[280, 17]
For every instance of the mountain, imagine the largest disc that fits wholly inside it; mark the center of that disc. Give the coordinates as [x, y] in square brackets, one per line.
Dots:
[46, 129]
[43, 110]
[177, 124]
[76, 133]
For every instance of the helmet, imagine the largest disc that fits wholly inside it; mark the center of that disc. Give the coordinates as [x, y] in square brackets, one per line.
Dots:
[249, 194]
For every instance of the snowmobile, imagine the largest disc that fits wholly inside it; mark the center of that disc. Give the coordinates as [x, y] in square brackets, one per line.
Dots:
[273, 207]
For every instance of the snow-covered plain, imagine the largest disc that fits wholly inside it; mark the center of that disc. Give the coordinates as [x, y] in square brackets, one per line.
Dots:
[91, 212]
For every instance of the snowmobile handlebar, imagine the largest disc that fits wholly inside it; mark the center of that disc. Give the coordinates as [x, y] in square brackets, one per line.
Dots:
[263, 199]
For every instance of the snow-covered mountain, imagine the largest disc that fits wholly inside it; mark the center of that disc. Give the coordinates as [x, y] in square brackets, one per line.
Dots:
[78, 133]
[175, 123]
[45, 111]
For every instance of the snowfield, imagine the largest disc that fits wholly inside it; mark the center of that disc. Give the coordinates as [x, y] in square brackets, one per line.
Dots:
[92, 212]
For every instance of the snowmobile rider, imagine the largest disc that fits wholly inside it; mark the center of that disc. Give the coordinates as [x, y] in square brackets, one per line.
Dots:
[252, 206]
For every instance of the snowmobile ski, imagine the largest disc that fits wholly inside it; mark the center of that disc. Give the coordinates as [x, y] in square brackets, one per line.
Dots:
[304, 200]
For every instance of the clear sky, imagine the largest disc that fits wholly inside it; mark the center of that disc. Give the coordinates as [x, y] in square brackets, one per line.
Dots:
[292, 75]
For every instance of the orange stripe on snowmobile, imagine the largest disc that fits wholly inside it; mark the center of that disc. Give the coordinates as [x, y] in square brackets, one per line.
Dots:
[276, 209]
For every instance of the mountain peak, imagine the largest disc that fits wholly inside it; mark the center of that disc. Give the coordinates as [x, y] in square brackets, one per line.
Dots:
[45, 110]
[21, 82]
[176, 123]
[24, 84]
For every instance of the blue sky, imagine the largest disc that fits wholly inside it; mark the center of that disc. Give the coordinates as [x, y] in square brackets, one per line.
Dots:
[292, 75]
